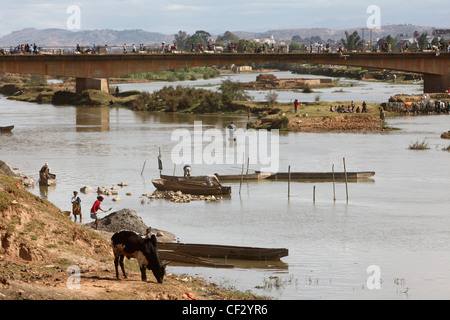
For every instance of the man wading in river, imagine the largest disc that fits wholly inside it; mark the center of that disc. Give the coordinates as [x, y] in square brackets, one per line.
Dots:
[76, 206]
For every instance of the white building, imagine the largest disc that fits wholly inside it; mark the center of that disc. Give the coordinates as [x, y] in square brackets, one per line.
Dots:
[270, 41]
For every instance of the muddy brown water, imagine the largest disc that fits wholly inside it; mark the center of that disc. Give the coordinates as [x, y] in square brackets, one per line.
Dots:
[395, 228]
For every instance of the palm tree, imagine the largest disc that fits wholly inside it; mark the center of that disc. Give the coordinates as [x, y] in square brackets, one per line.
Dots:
[352, 41]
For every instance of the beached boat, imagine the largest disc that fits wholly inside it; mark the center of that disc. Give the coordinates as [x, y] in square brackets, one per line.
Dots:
[226, 177]
[322, 175]
[186, 259]
[190, 187]
[224, 251]
[6, 129]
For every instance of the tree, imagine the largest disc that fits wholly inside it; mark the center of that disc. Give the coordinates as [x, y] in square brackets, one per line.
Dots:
[250, 46]
[352, 41]
[195, 40]
[205, 35]
[181, 40]
[227, 37]
[294, 46]
[423, 41]
[232, 91]
[271, 97]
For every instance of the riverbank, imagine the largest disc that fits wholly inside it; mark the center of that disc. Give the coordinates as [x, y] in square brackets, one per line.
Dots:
[318, 117]
[356, 73]
[39, 244]
[311, 116]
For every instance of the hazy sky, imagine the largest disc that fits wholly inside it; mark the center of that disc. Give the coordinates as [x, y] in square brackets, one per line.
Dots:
[217, 16]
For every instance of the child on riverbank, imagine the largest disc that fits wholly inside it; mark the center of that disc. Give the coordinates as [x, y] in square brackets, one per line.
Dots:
[94, 209]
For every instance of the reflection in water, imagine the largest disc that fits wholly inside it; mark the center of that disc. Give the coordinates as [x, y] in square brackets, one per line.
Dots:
[45, 190]
[92, 119]
[399, 222]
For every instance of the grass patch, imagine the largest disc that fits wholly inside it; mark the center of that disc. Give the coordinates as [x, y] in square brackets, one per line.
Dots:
[423, 145]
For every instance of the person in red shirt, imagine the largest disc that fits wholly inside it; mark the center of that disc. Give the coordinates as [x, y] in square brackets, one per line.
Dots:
[94, 210]
[296, 105]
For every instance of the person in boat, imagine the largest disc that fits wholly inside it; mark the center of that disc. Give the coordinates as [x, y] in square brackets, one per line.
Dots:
[45, 175]
[76, 206]
[187, 170]
[94, 209]
[213, 180]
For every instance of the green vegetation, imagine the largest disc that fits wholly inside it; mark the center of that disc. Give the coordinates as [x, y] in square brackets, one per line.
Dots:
[176, 75]
[419, 145]
[352, 41]
[187, 99]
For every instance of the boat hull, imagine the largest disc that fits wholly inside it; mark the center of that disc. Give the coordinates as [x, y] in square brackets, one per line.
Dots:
[222, 178]
[6, 129]
[190, 188]
[223, 251]
[322, 175]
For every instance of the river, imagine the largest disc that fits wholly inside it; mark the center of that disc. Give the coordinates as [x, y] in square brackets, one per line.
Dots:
[395, 228]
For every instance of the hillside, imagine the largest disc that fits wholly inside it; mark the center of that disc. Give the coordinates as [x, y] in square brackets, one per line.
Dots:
[336, 35]
[62, 37]
[38, 243]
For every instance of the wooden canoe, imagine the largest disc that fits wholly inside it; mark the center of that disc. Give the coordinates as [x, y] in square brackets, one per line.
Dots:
[190, 187]
[225, 252]
[225, 177]
[6, 129]
[186, 259]
[322, 175]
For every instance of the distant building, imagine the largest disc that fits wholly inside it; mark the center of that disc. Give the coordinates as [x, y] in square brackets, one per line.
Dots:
[442, 33]
[268, 41]
[239, 69]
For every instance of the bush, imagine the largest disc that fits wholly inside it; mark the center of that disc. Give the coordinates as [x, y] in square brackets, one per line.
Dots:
[37, 80]
[419, 145]
[64, 97]
[271, 97]
[280, 123]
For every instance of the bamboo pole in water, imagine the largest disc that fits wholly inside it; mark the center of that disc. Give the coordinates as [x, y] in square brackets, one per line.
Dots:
[334, 185]
[346, 184]
[248, 164]
[142, 171]
[289, 182]
[314, 194]
[242, 173]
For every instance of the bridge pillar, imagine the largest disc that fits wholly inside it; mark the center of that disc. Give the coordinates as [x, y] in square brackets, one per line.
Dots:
[435, 83]
[101, 84]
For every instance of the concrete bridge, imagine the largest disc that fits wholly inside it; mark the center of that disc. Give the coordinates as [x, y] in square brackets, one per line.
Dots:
[93, 70]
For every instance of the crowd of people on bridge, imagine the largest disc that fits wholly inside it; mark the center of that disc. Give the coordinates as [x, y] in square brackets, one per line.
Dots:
[21, 49]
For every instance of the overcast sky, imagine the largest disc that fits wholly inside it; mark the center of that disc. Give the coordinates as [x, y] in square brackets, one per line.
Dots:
[217, 16]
